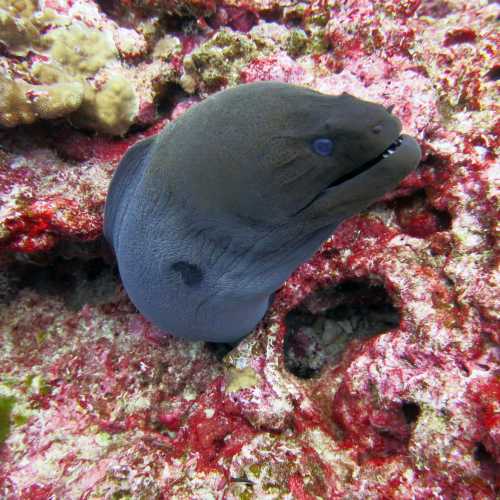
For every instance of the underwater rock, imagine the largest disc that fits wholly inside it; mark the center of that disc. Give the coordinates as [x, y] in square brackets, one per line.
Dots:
[374, 373]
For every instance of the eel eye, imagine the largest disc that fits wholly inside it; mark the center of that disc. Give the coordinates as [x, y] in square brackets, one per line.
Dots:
[323, 146]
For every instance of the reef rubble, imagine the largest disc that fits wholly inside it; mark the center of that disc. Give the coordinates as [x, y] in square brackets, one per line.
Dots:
[374, 373]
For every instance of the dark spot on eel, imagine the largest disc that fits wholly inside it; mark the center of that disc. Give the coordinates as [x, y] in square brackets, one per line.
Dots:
[191, 274]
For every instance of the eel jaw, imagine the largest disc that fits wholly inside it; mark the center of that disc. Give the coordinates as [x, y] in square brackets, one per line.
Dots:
[391, 166]
[389, 151]
[368, 181]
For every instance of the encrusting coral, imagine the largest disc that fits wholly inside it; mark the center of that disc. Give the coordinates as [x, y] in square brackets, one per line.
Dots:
[81, 50]
[18, 28]
[68, 82]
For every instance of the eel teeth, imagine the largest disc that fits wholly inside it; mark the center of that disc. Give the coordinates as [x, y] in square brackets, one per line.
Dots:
[363, 168]
[392, 147]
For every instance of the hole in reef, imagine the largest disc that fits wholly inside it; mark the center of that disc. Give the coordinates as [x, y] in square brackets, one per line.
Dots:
[320, 329]
[292, 18]
[487, 461]
[481, 454]
[494, 73]
[417, 217]
[9, 285]
[111, 8]
[183, 21]
[137, 128]
[172, 93]
[219, 350]
[77, 281]
[179, 22]
[411, 412]
[123, 15]
[94, 268]
[272, 15]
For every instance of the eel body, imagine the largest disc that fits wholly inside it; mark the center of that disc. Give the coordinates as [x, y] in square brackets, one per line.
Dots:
[208, 218]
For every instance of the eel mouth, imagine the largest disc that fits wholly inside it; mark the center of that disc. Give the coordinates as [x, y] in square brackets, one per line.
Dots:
[389, 151]
[402, 155]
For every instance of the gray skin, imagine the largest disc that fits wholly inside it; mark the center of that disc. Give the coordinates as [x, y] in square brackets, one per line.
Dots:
[208, 218]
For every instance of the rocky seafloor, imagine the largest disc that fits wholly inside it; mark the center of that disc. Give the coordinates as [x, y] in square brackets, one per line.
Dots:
[374, 375]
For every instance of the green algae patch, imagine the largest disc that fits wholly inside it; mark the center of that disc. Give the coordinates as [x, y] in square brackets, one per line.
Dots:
[103, 439]
[41, 336]
[15, 410]
[241, 379]
[218, 61]
[15, 406]
[6, 407]
[37, 385]
[315, 27]
[167, 47]
[296, 44]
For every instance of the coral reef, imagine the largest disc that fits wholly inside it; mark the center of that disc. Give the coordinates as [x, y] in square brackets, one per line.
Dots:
[374, 373]
[92, 87]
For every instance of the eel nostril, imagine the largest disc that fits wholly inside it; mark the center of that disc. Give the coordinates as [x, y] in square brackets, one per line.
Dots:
[390, 108]
[377, 129]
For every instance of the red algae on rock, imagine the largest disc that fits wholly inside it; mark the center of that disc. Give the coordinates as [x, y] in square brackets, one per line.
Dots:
[374, 373]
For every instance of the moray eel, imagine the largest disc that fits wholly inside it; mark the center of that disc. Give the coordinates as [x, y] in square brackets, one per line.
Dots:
[208, 218]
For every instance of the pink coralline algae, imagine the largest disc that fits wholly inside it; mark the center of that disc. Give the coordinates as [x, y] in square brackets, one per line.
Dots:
[374, 373]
